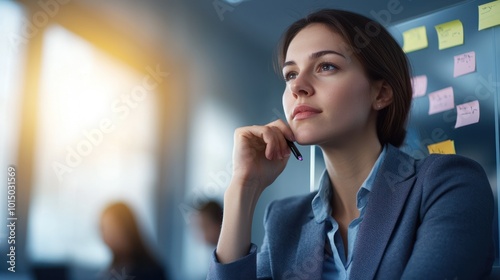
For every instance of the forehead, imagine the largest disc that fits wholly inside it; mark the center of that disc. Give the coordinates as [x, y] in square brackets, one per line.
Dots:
[312, 38]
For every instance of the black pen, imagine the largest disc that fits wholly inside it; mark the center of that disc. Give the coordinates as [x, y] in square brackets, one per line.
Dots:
[294, 149]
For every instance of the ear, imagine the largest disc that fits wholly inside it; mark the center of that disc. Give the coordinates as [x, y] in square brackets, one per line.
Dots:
[382, 95]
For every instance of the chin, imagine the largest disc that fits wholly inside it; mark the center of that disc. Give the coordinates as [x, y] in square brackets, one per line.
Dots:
[307, 134]
[306, 139]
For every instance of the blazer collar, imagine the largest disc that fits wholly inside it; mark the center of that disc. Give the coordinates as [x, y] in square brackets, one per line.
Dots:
[390, 190]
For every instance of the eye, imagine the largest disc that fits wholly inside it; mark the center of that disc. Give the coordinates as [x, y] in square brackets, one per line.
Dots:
[290, 75]
[325, 66]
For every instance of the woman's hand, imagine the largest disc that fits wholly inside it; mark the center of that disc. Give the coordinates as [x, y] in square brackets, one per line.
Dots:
[260, 154]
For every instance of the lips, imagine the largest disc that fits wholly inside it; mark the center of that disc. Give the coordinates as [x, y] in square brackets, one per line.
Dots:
[304, 111]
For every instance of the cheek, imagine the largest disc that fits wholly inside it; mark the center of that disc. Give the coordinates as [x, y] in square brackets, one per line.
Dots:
[287, 104]
[349, 106]
[355, 98]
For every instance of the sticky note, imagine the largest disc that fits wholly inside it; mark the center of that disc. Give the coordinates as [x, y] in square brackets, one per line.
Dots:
[489, 15]
[464, 63]
[441, 100]
[415, 39]
[450, 34]
[467, 113]
[445, 147]
[419, 85]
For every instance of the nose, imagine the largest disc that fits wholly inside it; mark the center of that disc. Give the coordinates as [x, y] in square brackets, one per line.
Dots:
[301, 86]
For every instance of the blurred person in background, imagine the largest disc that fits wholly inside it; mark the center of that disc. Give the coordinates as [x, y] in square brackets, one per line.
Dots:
[210, 221]
[131, 258]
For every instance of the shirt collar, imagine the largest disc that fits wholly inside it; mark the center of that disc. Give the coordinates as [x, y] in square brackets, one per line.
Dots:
[321, 202]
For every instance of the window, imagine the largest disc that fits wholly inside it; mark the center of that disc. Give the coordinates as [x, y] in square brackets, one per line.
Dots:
[210, 169]
[96, 143]
[10, 88]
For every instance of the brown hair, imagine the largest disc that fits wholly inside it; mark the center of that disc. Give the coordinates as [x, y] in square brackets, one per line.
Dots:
[381, 57]
[213, 210]
[122, 213]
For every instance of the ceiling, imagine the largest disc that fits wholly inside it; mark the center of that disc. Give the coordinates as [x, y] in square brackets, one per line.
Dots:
[257, 22]
[265, 20]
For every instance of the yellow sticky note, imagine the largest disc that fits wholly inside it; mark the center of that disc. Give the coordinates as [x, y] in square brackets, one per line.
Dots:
[445, 147]
[450, 34]
[415, 39]
[489, 15]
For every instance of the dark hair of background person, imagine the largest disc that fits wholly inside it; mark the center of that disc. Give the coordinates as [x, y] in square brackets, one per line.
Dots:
[381, 57]
[212, 210]
[143, 264]
[210, 221]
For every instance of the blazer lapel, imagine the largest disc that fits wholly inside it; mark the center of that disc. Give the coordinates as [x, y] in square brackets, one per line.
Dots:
[311, 250]
[390, 190]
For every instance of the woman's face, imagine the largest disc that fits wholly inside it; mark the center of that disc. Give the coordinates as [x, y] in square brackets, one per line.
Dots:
[328, 98]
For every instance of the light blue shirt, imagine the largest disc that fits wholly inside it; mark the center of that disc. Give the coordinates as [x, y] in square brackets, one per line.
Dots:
[337, 265]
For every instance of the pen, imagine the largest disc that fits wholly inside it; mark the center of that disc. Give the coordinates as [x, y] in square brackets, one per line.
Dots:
[294, 149]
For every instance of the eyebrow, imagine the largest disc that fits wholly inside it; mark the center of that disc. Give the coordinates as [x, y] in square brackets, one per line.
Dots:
[315, 55]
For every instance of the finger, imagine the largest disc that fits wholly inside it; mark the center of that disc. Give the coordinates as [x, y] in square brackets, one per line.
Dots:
[287, 133]
[284, 128]
[282, 146]
[271, 136]
[267, 135]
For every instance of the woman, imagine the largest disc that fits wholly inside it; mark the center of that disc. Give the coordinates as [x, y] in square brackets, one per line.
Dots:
[131, 258]
[378, 213]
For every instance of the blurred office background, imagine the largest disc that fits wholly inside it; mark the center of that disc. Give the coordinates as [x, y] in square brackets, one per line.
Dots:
[137, 101]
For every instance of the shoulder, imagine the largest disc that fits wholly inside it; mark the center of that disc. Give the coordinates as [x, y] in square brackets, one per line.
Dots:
[461, 162]
[148, 271]
[291, 207]
[461, 180]
[293, 202]
[450, 167]
[435, 167]
[447, 178]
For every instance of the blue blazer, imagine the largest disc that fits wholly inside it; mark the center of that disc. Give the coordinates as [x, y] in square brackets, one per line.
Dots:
[425, 219]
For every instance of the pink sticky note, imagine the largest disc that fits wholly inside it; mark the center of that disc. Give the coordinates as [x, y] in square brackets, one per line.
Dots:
[419, 84]
[467, 113]
[464, 63]
[441, 100]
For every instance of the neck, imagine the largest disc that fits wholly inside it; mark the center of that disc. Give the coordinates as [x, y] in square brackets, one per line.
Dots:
[348, 166]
